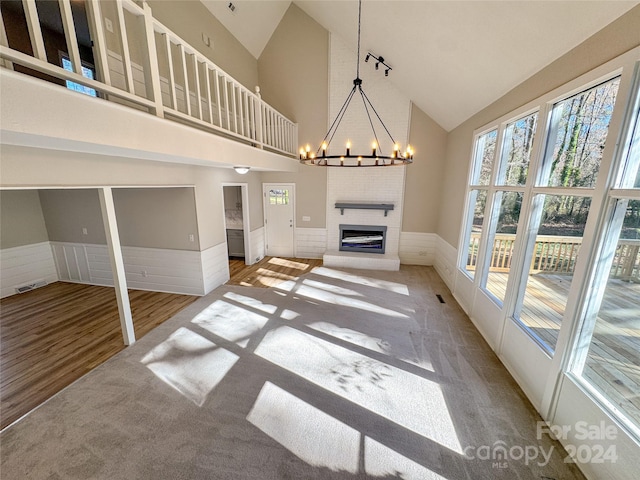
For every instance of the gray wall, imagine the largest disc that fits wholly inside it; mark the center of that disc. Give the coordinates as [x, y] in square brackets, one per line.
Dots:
[294, 79]
[423, 180]
[31, 166]
[613, 40]
[157, 217]
[21, 219]
[67, 212]
[189, 19]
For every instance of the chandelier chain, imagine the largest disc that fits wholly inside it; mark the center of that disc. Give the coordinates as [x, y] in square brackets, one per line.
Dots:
[358, 57]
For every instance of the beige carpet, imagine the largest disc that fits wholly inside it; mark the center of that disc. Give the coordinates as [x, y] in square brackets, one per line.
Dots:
[337, 375]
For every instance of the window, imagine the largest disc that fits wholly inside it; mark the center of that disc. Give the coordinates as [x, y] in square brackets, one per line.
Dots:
[559, 221]
[552, 235]
[516, 153]
[579, 128]
[502, 242]
[513, 169]
[577, 132]
[278, 197]
[607, 357]
[87, 72]
[485, 148]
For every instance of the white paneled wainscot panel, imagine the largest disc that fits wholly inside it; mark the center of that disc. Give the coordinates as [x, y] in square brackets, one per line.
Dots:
[26, 265]
[173, 271]
[311, 242]
[215, 266]
[256, 239]
[417, 248]
[445, 261]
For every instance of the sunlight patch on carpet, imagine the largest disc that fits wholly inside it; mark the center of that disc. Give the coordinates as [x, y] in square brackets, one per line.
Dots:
[381, 461]
[406, 399]
[251, 302]
[335, 299]
[360, 280]
[331, 288]
[190, 364]
[231, 322]
[399, 347]
[310, 434]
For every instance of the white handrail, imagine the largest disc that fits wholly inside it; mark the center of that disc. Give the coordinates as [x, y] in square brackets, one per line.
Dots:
[194, 89]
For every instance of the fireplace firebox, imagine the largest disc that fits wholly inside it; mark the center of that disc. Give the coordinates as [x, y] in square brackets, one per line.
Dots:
[363, 238]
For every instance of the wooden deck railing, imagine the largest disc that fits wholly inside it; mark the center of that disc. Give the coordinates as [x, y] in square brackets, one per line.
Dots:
[141, 63]
[557, 254]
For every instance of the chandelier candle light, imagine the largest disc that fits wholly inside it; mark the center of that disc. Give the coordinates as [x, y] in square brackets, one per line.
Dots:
[376, 159]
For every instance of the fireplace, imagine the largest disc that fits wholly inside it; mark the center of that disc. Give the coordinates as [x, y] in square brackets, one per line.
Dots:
[363, 238]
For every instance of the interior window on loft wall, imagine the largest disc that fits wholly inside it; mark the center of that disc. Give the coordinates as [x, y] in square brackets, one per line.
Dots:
[484, 154]
[607, 358]
[53, 34]
[578, 130]
[513, 169]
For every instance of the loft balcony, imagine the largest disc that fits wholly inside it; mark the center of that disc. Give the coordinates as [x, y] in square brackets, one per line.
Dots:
[113, 54]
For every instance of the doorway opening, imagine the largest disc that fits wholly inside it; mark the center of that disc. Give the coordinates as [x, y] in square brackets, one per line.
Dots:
[236, 218]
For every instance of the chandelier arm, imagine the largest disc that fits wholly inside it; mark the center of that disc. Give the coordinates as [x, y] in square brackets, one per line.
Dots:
[374, 111]
[366, 109]
[336, 121]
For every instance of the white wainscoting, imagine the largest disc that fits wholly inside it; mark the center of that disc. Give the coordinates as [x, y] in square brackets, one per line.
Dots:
[256, 238]
[445, 261]
[215, 266]
[417, 248]
[160, 270]
[25, 265]
[311, 242]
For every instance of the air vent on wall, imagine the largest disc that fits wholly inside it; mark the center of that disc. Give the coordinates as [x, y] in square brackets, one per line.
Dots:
[31, 286]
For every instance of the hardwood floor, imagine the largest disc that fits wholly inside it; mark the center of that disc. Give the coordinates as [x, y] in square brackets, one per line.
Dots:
[52, 336]
[270, 271]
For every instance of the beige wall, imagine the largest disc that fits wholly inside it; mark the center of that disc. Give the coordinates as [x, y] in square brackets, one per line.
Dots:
[157, 217]
[67, 212]
[23, 166]
[423, 180]
[21, 219]
[294, 79]
[189, 19]
[613, 40]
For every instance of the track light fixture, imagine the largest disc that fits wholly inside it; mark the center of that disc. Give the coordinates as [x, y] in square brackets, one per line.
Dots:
[379, 61]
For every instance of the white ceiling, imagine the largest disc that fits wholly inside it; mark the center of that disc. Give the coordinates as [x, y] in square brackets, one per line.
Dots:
[451, 58]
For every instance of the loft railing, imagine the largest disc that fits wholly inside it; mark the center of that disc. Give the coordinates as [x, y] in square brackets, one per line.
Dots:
[556, 254]
[139, 62]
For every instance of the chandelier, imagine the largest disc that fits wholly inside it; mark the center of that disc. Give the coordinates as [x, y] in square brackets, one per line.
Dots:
[374, 158]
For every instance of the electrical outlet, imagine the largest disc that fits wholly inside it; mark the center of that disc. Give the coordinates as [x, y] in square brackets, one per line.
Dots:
[108, 24]
[144, 273]
[85, 231]
[422, 253]
[306, 218]
[192, 238]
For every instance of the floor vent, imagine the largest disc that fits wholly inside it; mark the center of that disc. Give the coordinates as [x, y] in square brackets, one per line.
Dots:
[440, 299]
[31, 286]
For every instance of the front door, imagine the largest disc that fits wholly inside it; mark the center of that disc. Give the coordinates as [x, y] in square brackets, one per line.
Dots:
[278, 217]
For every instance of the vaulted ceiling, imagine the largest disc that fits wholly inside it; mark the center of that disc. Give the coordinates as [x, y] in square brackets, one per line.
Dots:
[451, 58]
